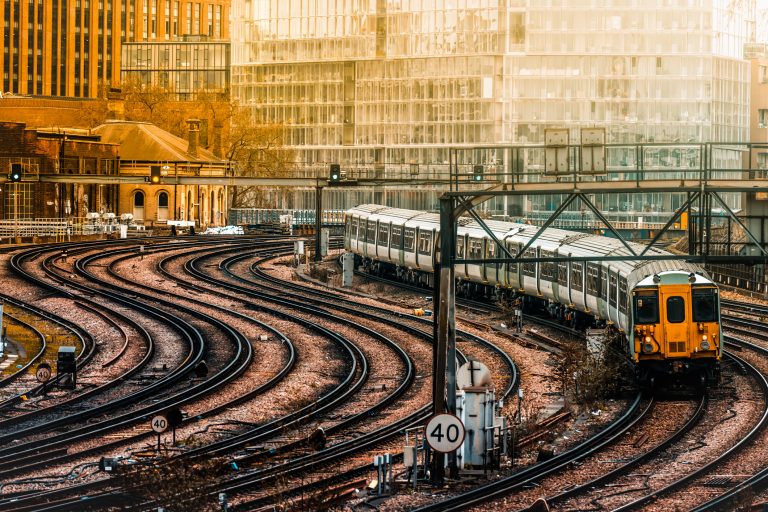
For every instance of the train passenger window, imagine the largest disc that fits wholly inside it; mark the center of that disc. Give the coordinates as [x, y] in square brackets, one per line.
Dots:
[383, 235]
[612, 290]
[397, 236]
[491, 251]
[475, 249]
[593, 279]
[647, 309]
[675, 310]
[562, 273]
[547, 267]
[425, 242]
[622, 295]
[371, 235]
[529, 268]
[705, 305]
[460, 248]
[577, 276]
[410, 239]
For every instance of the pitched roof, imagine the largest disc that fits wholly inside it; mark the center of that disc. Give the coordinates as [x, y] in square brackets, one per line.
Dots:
[147, 142]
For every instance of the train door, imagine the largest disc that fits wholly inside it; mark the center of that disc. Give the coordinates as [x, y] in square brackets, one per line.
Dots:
[613, 291]
[396, 244]
[491, 269]
[416, 246]
[513, 279]
[461, 244]
[562, 291]
[528, 280]
[674, 300]
[389, 243]
[537, 254]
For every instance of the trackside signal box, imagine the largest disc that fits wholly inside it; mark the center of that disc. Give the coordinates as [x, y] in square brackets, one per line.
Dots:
[66, 366]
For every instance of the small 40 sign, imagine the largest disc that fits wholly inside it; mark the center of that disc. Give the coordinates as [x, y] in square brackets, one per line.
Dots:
[445, 433]
[159, 423]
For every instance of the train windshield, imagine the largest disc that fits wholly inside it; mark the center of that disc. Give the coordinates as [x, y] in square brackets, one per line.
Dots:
[647, 308]
[705, 305]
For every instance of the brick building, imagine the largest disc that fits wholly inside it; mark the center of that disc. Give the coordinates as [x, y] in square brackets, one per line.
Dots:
[55, 151]
[143, 145]
[68, 48]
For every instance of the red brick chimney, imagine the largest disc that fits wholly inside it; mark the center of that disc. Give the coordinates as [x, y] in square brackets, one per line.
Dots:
[194, 136]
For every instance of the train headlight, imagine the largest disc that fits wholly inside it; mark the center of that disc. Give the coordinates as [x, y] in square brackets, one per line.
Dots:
[648, 347]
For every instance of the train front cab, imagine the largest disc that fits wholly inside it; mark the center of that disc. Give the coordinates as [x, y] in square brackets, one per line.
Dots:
[676, 327]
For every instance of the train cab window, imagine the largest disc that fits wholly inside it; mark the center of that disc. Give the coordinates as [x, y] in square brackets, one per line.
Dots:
[529, 268]
[410, 239]
[371, 235]
[647, 308]
[622, 295]
[547, 267]
[383, 235]
[562, 273]
[577, 276]
[705, 305]
[397, 236]
[675, 310]
[425, 243]
[460, 248]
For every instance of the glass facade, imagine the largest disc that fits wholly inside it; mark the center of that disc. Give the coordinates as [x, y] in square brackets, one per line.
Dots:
[183, 67]
[385, 87]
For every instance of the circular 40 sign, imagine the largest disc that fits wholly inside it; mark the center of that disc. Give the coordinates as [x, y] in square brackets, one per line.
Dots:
[159, 423]
[445, 432]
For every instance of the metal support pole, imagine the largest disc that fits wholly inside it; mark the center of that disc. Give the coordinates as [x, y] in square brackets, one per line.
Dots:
[444, 400]
[318, 221]
[439, 356]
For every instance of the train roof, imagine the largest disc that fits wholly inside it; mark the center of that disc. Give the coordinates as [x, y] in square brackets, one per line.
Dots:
[674, 277]
[565, 242]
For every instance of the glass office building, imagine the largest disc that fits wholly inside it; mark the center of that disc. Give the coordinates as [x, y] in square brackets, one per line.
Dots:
[386, 87]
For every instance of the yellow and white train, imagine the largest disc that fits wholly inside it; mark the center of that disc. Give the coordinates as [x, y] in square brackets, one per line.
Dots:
[667, 310]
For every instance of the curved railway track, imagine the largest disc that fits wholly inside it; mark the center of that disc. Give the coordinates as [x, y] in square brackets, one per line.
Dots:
[339, 450]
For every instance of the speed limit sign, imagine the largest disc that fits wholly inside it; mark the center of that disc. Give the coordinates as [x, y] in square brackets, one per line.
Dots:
[43, 373]
[159, 423]
[445, 433]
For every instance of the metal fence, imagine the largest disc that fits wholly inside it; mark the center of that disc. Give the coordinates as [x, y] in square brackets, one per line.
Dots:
[59, 228]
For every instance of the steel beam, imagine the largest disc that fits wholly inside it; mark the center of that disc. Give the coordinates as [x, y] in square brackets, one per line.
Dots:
[607, 223]
[738, 221]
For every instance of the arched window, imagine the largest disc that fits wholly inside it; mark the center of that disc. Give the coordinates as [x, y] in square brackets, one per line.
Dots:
[138, 205]
[212, 206]
[162, 206]
[222, 210]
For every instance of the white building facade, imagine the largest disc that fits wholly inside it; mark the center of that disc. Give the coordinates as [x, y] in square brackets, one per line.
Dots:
[386, 87]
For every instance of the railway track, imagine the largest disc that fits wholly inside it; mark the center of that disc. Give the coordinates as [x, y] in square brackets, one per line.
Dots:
[29, 500]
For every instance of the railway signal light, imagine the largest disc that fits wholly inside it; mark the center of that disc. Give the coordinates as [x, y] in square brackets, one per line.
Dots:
[16, 172]
[477, 173]
[335, 173]
[154, 174]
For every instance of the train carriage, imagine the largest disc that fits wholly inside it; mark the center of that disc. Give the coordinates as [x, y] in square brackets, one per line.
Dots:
[665, 311]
